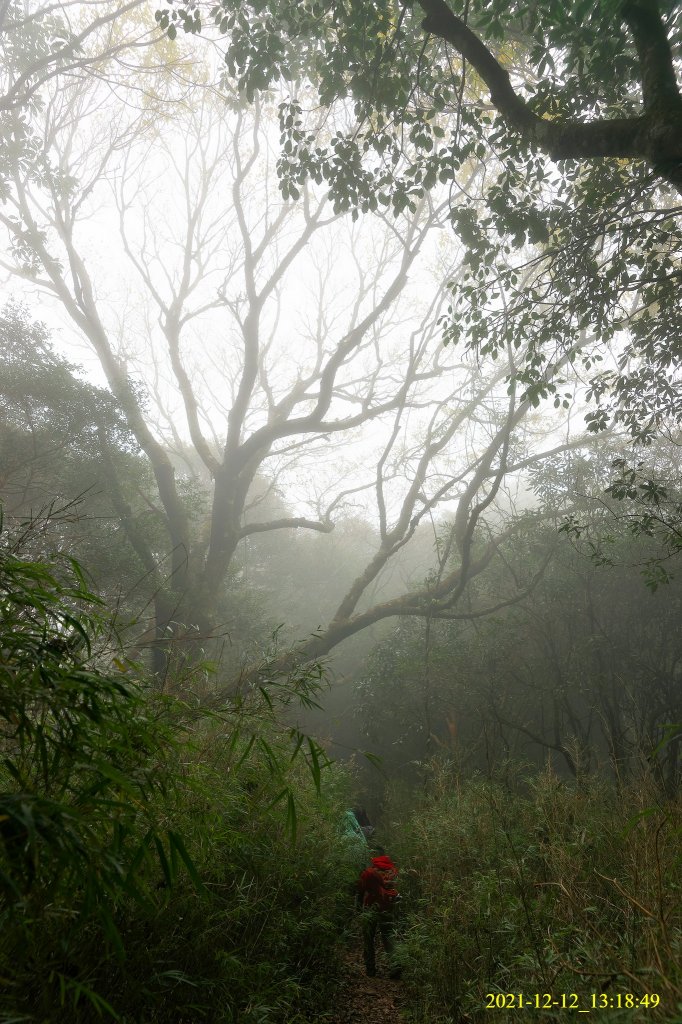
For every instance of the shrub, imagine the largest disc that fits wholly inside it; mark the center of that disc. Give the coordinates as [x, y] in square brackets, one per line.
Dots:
[552, 888]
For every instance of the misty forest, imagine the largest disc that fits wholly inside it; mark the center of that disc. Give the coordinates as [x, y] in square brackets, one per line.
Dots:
[340, 511]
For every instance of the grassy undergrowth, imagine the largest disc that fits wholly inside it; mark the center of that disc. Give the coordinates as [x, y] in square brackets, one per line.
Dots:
[158, 865]
[550, 890]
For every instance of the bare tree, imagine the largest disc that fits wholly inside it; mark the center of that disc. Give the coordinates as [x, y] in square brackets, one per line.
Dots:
[42, 41]
[260, 345]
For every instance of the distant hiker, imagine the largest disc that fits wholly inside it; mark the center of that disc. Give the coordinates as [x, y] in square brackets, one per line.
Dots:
[355, 840]
[351, 825]
[378, 896]
[363, 821]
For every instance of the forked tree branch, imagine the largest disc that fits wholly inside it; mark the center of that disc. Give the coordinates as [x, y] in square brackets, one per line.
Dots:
[655, 136]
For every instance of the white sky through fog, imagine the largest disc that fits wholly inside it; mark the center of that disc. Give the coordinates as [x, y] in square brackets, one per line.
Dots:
[343, 257]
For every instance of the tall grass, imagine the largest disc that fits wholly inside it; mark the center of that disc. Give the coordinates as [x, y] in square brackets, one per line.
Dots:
[546, 888]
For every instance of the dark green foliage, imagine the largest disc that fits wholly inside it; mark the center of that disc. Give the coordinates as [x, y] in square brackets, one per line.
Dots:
[156, 864]
[85, 773]
[64, 445]
[650, 507]
[546, 888]
[601, 284]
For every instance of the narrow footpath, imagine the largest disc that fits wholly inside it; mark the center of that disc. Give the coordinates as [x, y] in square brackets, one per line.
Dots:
[363, 1000]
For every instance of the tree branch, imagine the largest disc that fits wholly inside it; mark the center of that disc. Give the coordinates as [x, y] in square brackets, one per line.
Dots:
[14, 98]
[296, 523]
[655, 136]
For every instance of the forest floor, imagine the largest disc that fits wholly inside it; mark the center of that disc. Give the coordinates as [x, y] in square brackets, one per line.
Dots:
[363, 1000]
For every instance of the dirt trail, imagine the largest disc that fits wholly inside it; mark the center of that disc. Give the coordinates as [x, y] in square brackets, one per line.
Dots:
[363, 1000]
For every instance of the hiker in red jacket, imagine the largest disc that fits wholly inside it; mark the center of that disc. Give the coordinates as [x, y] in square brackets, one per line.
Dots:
[378, 896]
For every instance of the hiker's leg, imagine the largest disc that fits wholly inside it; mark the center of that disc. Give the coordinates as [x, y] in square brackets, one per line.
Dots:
[387, 928]
[370, 920]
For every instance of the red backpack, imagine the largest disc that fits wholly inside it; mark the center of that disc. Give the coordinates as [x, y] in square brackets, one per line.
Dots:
[375, 884]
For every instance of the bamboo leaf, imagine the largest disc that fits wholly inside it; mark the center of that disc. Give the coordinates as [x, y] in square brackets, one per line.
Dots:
[167, 866]
[247, 751]
[292, 820]
[177, 845]
[314, 764]
[300, 737]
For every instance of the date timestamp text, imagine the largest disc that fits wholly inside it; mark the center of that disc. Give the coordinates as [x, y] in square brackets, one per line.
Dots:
[569, 1001]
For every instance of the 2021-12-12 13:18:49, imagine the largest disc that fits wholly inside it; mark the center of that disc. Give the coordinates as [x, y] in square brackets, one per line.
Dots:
[570, 1001]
